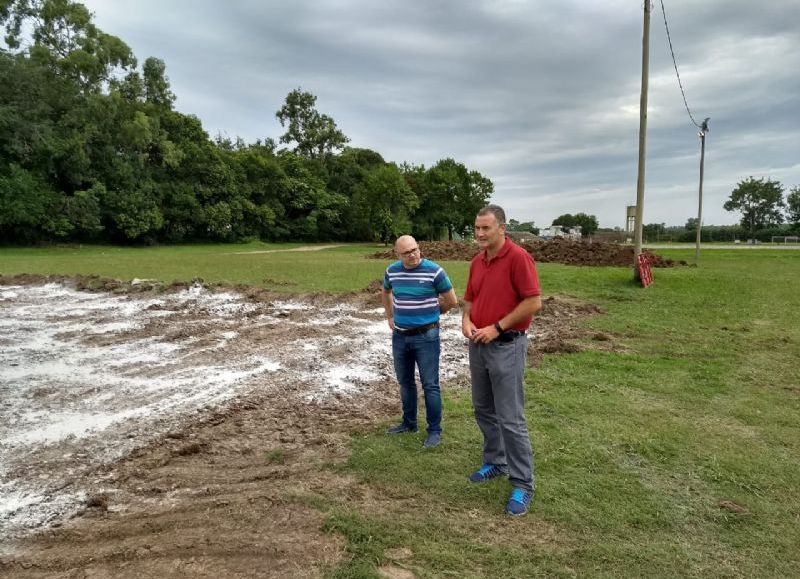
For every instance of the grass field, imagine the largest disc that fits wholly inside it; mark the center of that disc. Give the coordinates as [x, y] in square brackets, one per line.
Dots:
[679, 457]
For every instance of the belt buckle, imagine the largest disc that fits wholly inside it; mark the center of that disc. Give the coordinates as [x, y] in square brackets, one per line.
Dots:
[418, 330]
[408, 331]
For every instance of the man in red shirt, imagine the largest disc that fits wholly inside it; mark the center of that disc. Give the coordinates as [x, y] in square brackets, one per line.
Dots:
[501, 297]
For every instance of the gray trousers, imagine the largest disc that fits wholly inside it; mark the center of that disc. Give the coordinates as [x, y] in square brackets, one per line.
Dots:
[498, 397]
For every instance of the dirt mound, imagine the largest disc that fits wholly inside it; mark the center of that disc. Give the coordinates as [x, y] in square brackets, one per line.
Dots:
[556, 251]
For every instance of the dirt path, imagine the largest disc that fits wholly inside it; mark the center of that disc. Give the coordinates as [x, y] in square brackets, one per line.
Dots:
[201, 490]
[304, 248]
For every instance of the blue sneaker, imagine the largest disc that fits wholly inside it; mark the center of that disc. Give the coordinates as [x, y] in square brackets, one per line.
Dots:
[400, 429]
[518, 502]
[433, 440]
[486, 472]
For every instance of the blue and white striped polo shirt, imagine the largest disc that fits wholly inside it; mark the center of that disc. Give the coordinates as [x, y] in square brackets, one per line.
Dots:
[415, 292]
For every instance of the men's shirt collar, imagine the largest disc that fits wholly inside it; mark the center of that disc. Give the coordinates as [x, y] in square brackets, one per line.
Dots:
[503, 250]
[412, 268]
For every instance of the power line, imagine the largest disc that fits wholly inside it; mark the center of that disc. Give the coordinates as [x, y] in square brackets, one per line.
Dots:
[704, 126]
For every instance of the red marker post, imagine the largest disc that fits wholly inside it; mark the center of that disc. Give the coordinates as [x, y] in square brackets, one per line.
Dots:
[645, 274]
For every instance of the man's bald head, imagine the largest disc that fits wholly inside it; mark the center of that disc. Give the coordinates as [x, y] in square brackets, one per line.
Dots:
[407, 250]
[404, 243]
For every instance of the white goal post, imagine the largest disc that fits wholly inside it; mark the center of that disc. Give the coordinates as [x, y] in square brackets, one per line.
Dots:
[785, 239]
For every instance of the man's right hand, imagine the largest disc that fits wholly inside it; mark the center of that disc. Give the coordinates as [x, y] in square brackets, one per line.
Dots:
[468, 328]
[390, 321]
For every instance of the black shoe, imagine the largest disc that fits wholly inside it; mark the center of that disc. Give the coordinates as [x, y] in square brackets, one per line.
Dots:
[433, 440]
[400, 429]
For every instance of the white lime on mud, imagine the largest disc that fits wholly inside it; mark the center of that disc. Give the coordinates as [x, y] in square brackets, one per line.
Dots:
[86, 377]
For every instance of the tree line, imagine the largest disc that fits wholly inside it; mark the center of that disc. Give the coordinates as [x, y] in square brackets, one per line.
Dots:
[763, 209]
[92, 150]
[764, 214]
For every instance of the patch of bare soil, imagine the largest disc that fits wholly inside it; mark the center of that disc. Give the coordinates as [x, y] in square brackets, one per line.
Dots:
[229, 491]
[224, 497]
[556, 250]
[733, 507]
[557, 330]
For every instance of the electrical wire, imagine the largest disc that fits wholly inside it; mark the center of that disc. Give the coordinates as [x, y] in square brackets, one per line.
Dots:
[703, 127]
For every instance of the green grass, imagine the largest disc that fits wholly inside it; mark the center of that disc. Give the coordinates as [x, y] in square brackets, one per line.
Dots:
[635, 449]
[252, 263]
[277, 456]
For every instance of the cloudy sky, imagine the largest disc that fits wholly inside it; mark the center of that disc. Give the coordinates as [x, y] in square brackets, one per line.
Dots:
[541, 97]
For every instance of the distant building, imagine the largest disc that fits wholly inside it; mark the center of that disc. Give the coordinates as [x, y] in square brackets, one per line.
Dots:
[630, 218]
[555, 231]
[522, 236]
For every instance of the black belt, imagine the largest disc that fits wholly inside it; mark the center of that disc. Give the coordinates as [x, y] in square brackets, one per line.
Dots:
[509, 335]
[417, 330]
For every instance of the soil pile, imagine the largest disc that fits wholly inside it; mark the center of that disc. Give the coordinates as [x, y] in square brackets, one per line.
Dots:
[556, 251]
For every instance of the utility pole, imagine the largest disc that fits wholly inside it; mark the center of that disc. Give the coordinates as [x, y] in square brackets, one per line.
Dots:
[703, 131]
[642, 139]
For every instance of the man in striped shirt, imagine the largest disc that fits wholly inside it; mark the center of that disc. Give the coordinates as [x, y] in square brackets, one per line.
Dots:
[415, 292]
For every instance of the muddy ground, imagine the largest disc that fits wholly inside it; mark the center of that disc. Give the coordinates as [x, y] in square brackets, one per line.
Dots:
[218, 476]
[556, 250]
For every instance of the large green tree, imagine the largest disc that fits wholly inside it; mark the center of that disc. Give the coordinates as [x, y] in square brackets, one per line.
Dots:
[525, 226]
[156, 84]
[384, 203]
[793, 207]
[759, 201]
[313, 133]
[28, 206]
[345, 174]
[565, 220]
[587, 223]
[450, 196]
[64, 38]
[308, 209]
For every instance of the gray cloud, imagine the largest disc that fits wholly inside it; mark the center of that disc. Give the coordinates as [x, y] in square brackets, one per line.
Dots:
[541, 97]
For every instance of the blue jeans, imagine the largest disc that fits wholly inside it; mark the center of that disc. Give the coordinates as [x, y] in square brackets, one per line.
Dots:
[421, 350]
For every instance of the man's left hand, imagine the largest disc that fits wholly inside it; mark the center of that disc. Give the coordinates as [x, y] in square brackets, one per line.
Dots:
[485, 335]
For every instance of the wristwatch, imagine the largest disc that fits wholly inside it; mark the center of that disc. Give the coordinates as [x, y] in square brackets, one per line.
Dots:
[498, 327]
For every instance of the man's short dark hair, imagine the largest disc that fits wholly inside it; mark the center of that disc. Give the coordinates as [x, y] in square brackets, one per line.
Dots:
[495, 210]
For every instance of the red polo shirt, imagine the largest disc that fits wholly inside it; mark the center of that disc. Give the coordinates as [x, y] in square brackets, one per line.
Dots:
[496, 287]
